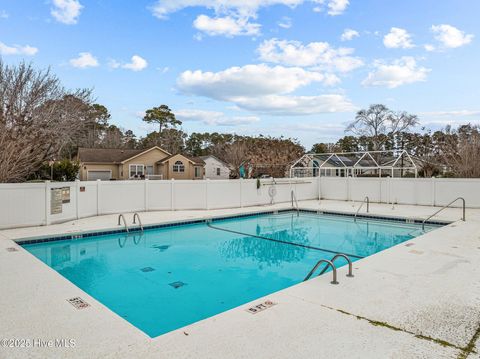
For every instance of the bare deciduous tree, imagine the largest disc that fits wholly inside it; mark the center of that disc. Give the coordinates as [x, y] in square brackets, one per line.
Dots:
[461, 151]
[233, 154]
[38, 118]
[378, 121]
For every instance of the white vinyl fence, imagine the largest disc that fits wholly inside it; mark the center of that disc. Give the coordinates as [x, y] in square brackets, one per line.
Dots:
[26, 204]
[417, 191]
[30, 204]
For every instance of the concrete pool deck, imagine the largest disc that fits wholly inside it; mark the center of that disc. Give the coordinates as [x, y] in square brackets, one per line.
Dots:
[420, 299]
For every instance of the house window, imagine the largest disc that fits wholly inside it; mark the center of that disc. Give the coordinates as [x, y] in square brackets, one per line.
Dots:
[218, 171]
[136, 170]
[149, 170]
[178, 167]
[197, 171]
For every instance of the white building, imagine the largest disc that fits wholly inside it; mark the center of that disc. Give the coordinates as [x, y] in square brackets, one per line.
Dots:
[215, 168]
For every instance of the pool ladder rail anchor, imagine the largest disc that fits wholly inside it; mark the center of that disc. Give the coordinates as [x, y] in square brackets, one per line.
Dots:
[330, 263]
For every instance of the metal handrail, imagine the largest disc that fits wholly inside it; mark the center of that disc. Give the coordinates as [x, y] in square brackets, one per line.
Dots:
[329, 263]
[121, 216]
[136, 215]
[444, 207]
[340, 255]
[359, 208]
[296, 202]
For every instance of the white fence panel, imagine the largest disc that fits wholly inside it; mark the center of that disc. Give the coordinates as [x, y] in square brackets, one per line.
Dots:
[253, 196]
[87, 199]
[446, 190]
[283, 191]
[224, 194]
[121, 196]
[159, 195]
[22, 204]
[334, 188]
[305, 190]
[189, 194]
[410, 191]
[362, 187]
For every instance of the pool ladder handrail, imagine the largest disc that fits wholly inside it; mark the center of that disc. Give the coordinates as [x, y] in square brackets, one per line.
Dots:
[294, 197]
[335, 257]
[330, 263]
[136, 215]
[445, 207]
[361, 205]
[121, 216]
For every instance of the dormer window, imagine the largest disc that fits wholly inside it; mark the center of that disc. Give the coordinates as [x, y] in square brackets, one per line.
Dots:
[178, 167]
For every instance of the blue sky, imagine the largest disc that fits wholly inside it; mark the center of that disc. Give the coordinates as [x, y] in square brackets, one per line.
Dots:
[295, 68]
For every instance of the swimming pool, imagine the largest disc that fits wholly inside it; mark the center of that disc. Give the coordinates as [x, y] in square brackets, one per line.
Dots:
[165, 278]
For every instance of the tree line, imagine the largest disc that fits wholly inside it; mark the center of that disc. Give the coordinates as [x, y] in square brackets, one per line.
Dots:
[42, 125]
[450, 152]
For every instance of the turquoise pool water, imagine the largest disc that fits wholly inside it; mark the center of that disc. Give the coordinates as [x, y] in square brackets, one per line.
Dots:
[170, 277]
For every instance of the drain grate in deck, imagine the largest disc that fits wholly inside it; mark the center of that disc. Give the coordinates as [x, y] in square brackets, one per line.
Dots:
[147, 269]
[12, 249]
[78, 303]
[177, 285]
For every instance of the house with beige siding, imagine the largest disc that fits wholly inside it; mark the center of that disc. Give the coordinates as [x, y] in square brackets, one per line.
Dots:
[180, 166]
[126, 164]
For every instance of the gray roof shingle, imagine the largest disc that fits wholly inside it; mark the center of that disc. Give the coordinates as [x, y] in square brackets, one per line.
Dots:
[105, 155]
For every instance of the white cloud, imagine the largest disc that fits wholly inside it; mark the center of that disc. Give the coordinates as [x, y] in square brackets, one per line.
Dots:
[227, 26]
[84, 60]
[232, 17]
[337, 7]
[248, 80]
[4, 14]
[321, 54]
[214, 118]
[26, 50]
[437, 122]
[398, 38]
[262, 88]
[285, 23]
[349, 34]
[451, 37]
[137, 63]
[239, 8]
[279, 105]
[429, 47]
[66, 11]
[400, 72]
[454, 113]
